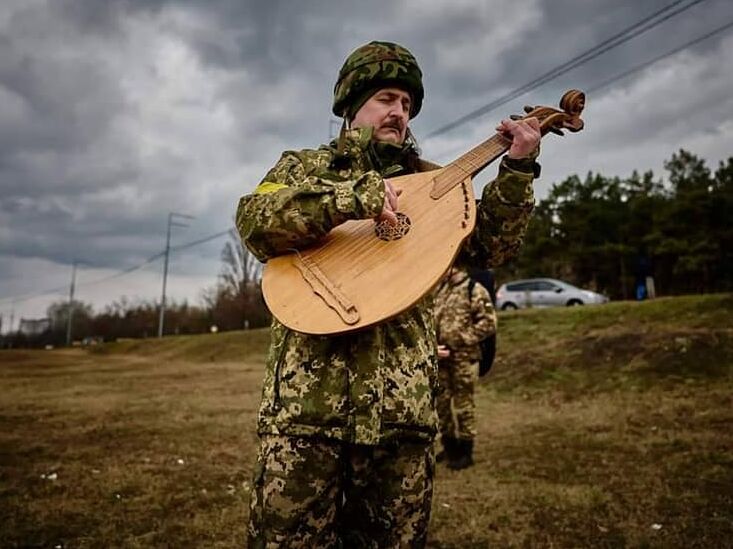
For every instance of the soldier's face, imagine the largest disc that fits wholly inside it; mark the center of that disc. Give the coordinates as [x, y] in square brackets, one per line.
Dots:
[388, 112]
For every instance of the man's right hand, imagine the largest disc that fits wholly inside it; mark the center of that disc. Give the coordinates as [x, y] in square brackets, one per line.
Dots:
[389, 210]
[443, 351]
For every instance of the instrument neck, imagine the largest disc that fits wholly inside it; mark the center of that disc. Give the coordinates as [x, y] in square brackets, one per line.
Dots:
[481, 155]
[469, 164]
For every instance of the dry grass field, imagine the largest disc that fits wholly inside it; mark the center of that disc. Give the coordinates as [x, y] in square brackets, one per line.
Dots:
[607, 426]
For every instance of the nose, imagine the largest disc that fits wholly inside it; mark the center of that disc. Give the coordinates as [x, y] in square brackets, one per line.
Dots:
[399, 111]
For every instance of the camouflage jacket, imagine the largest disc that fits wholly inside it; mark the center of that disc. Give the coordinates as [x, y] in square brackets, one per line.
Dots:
[378, 383]
[464, 315]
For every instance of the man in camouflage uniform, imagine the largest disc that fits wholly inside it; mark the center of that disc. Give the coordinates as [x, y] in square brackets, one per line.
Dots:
[464, 316]
[347, 422]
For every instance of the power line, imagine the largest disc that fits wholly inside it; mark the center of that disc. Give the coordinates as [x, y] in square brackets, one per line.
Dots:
[26, 297]
[633, 70]
[660, 57]
[60, 289]
[622, 37]
[125, 271]
[200, 241]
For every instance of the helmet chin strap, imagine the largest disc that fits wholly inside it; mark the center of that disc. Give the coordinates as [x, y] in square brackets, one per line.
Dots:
[345, 126]
[410, 138]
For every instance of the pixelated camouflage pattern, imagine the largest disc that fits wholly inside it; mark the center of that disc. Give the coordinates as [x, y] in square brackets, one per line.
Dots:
[462, 318]
[379, 383]
[464, 314]
[455, 400]
[502, 218]
[300, 498]
[374, 64]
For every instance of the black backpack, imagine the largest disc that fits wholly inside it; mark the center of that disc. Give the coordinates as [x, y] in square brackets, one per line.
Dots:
[488, 345]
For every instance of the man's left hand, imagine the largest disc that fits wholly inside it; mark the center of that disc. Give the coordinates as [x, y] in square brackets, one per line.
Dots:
[525, 135]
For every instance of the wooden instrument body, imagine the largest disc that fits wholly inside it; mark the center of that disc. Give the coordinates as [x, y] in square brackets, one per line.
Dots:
[381, 279]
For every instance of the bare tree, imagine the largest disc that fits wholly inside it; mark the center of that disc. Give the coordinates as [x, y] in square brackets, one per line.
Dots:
[240, 269]
[237, 302]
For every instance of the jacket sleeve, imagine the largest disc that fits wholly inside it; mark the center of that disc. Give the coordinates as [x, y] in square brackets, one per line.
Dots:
[296, 204]
[503, 214]
[483, 314]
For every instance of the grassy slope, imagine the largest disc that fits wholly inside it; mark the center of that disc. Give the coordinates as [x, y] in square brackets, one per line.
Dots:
[595, 424]
[598, 423]
[624, 344]
[226, 346]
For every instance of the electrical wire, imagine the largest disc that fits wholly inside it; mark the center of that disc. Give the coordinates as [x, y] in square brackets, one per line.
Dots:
[622, 37]
[201, 241]
[644, 65]
[628, 72]
[121, 273]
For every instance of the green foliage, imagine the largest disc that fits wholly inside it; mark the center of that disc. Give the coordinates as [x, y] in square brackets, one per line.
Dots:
[608, 233]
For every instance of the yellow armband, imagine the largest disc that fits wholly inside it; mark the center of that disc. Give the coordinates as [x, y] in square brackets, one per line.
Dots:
[267, 187]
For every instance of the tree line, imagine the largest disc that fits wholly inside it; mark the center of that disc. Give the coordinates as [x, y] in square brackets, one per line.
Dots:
[607, 233]
[235, 302]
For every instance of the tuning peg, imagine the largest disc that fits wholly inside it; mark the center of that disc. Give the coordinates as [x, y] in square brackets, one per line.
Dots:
[528, 108]
[515, 116]
[556, 131]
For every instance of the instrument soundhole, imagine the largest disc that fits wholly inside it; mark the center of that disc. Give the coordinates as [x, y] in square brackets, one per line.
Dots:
[385, 231]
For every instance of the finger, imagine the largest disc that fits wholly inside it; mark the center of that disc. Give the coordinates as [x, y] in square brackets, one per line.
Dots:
[388, 195]
[507, 125]
[392, 201]
[388, 216]
[530, 131]
[533, 123]
[524, 135]
[529, 137]
[523, 126]
[391, 195]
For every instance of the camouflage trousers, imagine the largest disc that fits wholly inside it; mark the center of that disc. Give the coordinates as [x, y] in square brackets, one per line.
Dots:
[316, 492]
[457, 380]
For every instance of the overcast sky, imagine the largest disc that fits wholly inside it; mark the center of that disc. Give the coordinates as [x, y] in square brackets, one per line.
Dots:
[113, 113]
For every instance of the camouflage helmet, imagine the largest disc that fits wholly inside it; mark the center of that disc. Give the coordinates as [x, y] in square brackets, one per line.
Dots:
[382, 64]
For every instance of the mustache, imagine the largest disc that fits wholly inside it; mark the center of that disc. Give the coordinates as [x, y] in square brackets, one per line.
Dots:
[394, 123]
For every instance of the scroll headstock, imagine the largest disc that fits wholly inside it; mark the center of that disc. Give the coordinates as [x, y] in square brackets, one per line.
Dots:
[555, 120]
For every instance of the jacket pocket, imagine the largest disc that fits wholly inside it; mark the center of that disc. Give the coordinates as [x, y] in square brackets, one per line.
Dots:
[278, 366]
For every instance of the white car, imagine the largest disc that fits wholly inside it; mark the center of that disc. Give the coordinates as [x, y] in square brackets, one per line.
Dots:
[543, 292]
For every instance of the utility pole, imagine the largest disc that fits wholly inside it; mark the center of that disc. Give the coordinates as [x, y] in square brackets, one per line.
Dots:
[171, 223]
[12, 317]
[70, 315]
